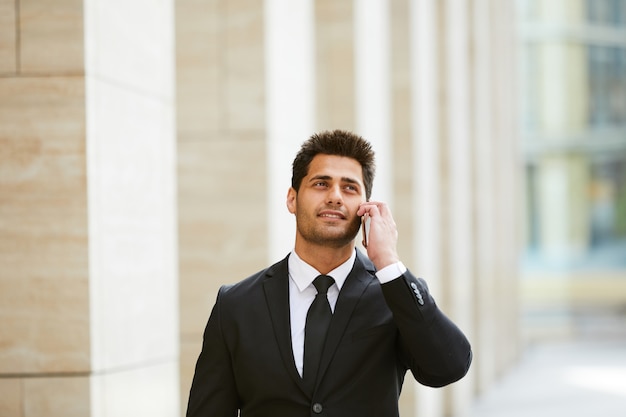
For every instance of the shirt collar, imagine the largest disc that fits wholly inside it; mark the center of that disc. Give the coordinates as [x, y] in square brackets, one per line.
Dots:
[303, 274]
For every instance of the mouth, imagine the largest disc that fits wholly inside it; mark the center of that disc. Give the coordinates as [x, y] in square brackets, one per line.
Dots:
[332, 215]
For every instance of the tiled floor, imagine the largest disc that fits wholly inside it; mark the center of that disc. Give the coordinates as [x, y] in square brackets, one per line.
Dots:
[584, 378]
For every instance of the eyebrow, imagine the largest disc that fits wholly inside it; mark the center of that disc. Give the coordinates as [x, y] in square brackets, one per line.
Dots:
[328, 177]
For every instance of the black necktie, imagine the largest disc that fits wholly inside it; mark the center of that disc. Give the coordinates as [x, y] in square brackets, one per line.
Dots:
[317, 321]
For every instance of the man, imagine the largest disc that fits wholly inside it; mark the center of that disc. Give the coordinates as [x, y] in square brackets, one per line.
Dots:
[266, 355]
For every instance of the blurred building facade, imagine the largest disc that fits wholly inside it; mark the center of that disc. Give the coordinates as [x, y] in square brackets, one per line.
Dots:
[122, 123]
[573, 113]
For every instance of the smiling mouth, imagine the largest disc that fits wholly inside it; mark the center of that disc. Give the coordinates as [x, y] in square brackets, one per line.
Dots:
[332, 216]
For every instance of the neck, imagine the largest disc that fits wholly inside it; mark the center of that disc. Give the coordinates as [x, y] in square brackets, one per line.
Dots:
[324, 258]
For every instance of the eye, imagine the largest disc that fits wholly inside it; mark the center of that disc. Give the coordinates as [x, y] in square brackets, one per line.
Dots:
[350, 187]
[319, 184]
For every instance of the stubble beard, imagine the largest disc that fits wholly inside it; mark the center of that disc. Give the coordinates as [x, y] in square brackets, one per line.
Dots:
[323, 236]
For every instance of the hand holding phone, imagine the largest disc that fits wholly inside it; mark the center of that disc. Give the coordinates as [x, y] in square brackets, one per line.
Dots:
[381, 247]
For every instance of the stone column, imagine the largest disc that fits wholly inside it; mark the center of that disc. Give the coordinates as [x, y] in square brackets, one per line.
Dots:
[131, 182]
[464, 186]
[372, 80]
[45, 355]
[484, 196]
[222, 158]
[426, 157]
[458, 188]
[401, 157]
[505, 176]
[335, 65]
[291, 92]
[88, 279]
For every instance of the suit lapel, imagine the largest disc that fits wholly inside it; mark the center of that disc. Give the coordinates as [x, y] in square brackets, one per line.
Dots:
[276, 287]
[357, 281]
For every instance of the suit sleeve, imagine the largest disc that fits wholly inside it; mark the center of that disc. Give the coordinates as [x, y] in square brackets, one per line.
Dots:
[213, 392]
[432, 346]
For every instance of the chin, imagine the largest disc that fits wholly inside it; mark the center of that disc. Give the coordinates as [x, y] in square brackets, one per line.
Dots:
[339, 241]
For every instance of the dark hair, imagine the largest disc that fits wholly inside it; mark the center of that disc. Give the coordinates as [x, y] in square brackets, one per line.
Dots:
[335, 142]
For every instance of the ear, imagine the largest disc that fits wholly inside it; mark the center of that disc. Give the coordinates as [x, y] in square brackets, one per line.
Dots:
[291, 200]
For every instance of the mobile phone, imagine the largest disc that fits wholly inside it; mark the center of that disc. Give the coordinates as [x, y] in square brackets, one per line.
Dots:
[365, 227]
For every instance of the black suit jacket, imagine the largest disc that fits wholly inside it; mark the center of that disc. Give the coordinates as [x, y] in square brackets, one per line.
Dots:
[377, 333]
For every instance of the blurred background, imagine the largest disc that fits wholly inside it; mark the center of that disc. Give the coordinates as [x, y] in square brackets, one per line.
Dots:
[145, 152]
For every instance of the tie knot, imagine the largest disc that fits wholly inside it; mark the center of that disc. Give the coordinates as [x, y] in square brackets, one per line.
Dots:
[322, 283]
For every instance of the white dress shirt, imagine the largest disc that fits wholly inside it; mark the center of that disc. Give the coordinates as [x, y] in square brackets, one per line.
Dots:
[302, 292]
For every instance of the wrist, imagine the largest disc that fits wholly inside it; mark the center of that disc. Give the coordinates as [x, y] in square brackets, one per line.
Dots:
[391, 272]
[382, 262]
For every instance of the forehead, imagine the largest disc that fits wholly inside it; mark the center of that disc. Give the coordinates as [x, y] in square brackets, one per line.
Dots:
[335, 166]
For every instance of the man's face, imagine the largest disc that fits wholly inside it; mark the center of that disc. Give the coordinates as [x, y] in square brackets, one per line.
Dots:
[327, 202]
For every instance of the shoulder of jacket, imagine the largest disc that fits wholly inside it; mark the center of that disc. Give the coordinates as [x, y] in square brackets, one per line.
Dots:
[255, 279]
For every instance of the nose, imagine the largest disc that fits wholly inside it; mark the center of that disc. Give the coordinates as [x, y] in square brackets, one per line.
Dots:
[334, 196]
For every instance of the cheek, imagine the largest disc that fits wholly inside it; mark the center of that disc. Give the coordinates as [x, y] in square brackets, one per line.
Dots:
[355, 204]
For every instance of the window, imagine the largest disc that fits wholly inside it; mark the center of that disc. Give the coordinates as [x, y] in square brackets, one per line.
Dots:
[575, 147]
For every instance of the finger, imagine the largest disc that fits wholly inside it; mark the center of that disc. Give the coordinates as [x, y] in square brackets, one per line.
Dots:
[379, 209]
[370, 207]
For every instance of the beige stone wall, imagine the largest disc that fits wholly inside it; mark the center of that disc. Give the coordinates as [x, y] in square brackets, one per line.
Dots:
[334, 64]
[221, 158]
[88, 256]
[44, 281]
